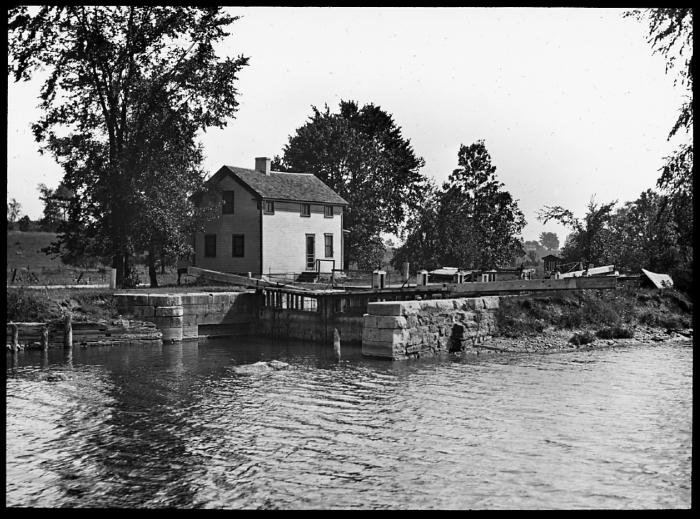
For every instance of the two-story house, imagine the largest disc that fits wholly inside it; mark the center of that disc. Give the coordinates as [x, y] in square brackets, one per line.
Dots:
[271, 222]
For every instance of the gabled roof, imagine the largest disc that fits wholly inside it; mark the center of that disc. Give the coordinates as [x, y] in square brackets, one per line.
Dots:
[279, 185]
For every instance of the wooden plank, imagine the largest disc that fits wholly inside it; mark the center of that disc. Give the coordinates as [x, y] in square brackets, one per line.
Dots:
[533, 285]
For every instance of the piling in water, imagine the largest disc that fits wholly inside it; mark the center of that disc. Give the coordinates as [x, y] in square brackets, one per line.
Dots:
[336, 343]
[15, 336]
[67, 331]
[45, 337]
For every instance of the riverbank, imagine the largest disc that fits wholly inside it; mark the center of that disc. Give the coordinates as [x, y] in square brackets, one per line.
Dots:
[557, 321]
[588, 315]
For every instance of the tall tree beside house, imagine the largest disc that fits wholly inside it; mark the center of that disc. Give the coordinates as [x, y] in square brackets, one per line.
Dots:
[112, 72]
[549, 240]
[361, 154]
[472, 221]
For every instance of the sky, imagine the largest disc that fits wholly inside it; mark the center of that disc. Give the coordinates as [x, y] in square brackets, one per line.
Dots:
[571, 103]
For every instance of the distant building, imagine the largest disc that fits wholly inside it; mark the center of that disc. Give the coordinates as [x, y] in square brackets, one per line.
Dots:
[270, 222]
[552, 263]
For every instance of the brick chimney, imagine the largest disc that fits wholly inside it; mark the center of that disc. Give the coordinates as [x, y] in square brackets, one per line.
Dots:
[262, 164]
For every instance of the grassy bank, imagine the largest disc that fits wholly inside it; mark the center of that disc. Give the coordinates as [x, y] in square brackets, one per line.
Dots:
[39, 305]
[590, 314]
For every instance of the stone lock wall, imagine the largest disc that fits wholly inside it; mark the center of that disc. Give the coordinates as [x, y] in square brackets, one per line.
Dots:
[310, 326]
[405, 329]
[189, 316]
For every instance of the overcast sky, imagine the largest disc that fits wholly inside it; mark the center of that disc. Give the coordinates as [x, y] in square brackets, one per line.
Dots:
[571, 103]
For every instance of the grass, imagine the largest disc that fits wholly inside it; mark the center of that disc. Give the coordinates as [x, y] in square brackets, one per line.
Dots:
[612, 312]
[25, 305]
[24, 250]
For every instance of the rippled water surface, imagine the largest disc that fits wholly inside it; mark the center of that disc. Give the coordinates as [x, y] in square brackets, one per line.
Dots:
[177, 426]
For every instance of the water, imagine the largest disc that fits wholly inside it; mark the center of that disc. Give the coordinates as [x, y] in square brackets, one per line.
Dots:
[176, 426]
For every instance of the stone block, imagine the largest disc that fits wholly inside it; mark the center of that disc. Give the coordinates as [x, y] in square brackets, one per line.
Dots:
[221, 298]
[410, 307]
[164, 300]
[384, 308]
[189, 320]
[128, 300]
[475, 303]
[414, 348]
[388, 335]
[168, 321]
[385, 321]
[168, 311]
[190, 332]
[490, 302]
[377, 349]
[197, 298]
[174, 334]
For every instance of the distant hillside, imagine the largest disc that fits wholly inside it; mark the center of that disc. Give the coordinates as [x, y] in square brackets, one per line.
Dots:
[24, 250]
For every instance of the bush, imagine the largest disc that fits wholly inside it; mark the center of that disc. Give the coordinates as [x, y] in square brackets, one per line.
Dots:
[28, 305]
[615, 332]
[582, 338]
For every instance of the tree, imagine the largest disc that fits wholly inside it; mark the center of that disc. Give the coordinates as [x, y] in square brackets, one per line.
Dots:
[14, 209]
[24, 223]
[361, 154]
[587, 242]
[643, 235]
[55, 206]
[671, 34]
[549, 240]
[113, 72]
[471, 222]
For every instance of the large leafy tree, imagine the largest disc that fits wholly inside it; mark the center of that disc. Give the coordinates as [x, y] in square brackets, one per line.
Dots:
[362, 155]
[127, 90]
[588, 242]
[670, 34]
[549, 240]
[471, 222]
[643, 236]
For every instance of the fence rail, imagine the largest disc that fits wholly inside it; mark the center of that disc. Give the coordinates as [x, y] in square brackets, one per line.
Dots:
[61, 276]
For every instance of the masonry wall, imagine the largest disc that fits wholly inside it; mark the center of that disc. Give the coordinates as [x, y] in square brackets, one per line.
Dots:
[310, 326]
[284, 237]
[404, 329]
[245, 220]
[193, 315]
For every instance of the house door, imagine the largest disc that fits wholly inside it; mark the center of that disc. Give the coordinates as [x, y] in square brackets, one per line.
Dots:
[310, 251]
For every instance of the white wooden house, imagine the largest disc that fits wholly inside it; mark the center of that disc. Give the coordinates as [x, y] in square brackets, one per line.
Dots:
[271, 222]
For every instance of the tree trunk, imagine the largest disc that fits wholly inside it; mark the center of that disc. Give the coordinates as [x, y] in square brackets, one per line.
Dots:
[152, 270]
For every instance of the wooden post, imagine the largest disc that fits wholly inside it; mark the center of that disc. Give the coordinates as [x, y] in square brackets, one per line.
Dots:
[336, 343]
[15, 336]
[45, 337]
[14, 273]
[67, 331]
[113, 278]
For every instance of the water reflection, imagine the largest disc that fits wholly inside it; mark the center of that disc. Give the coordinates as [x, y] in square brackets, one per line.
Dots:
[175, 425]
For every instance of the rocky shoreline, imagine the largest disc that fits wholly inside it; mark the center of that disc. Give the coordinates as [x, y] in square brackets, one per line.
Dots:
[558, 341]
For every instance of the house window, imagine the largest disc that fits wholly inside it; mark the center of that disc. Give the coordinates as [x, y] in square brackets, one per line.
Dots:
[329, 211]
[210, 245]
[269, 207]
[329, 245]
[227, 208]
[305, 209]
[238, 246]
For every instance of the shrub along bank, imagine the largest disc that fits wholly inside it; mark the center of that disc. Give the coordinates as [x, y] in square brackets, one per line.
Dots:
[606, 314]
